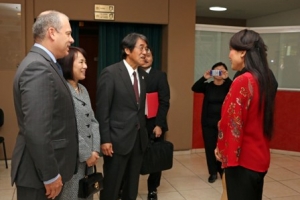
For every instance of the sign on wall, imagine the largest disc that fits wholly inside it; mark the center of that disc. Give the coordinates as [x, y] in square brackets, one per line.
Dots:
[104, 12]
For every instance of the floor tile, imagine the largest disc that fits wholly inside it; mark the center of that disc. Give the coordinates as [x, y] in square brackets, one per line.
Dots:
[285, 161]
[187, 183]
[167, 196]
[280, 174]
[6, 194]
[277, 189]
[294, 184]
[187, 180]
[201, 194]
[297, 197]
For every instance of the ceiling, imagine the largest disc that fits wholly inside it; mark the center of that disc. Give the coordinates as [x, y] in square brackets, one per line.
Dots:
[245, 9]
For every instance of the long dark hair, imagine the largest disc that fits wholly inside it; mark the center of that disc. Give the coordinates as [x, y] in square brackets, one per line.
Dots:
[256, 63]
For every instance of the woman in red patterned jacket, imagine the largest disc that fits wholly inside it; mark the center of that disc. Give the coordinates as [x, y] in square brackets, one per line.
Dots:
[246, 124]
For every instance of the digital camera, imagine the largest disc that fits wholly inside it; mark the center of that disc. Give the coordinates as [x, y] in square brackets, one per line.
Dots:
[215, 72]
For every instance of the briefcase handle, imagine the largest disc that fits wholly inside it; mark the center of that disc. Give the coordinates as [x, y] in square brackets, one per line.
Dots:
[152, 137]
[86, 170]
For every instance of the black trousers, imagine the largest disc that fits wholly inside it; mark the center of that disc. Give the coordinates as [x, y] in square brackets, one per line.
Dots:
[210, 137]
[244, 184]
[26, 193]
[125, 170]
[153, 181]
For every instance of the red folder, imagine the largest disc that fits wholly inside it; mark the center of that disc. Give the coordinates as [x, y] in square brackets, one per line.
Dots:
[152, 104]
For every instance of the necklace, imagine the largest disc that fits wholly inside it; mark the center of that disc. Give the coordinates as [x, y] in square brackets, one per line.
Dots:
[77, 89]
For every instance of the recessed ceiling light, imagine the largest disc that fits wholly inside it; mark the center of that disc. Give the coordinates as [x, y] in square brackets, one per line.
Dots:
[217, 8]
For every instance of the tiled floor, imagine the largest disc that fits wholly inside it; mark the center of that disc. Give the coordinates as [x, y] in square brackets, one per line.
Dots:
[188, 179]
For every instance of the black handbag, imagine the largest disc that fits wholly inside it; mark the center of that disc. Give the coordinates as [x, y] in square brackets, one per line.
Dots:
[90, 184]
[157, 157]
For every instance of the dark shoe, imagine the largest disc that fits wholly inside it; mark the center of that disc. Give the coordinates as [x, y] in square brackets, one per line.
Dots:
[212, 178]
[120, 195]
[152, 195]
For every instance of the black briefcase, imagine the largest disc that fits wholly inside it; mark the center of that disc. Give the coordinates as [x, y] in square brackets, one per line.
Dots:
[158, 157]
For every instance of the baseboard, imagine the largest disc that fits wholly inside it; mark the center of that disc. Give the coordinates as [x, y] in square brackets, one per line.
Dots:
[202, 150]
[190, 151]
[285, 152]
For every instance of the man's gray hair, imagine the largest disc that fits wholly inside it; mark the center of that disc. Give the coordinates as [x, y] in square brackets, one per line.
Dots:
[44, 21]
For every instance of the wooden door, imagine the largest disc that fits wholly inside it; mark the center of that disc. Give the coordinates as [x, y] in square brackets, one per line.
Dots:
[89, 42]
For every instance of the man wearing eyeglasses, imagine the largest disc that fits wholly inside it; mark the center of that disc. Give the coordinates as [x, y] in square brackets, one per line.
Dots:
[121, 94]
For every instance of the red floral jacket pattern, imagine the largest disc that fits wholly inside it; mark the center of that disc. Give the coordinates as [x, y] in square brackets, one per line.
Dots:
[241, 140]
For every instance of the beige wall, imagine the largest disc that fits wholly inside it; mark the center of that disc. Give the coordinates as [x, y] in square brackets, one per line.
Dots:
[180, 61]
[154, 11]
[9, 129]
[221, 21]
[289, 18]
[178, 54]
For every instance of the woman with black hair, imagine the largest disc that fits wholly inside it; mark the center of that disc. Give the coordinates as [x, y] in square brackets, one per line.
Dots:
[74, 68]
[214, 94]
[246, 125]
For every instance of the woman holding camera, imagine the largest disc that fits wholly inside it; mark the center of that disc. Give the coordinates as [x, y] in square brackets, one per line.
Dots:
[214, 94]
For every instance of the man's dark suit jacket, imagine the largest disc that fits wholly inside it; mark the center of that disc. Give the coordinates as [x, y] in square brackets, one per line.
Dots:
[118, 113]
[157, 82]
[47, 141]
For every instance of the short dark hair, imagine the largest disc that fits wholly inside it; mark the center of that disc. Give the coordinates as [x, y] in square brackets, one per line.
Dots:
[129, 41]
[150, 50]
[219, 64]
[67, 61]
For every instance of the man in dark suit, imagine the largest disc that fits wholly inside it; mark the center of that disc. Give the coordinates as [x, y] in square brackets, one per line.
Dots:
[121, 115]
[46, 148]
[156, 81]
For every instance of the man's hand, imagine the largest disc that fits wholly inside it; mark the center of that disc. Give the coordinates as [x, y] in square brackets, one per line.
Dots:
[107, 149]
[157, 131]
[53, 189]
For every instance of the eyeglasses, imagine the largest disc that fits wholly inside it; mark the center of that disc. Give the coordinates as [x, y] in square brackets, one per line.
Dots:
[141, 48]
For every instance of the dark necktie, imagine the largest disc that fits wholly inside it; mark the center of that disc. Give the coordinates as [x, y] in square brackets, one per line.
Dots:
[59, 68]
[135, 87]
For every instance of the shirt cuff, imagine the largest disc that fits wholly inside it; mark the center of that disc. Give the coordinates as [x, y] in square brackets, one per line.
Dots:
[52, 180]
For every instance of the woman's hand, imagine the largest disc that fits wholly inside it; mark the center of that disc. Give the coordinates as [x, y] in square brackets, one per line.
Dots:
[92, 160]
[207, 74]
[218, 155]
[224, 74]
